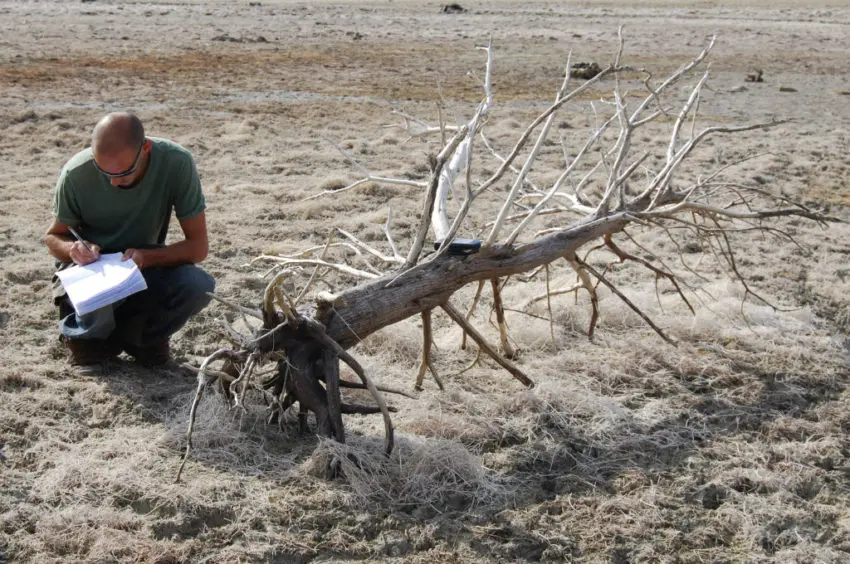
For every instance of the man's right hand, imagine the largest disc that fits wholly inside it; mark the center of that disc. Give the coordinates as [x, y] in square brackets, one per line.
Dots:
[80, 255]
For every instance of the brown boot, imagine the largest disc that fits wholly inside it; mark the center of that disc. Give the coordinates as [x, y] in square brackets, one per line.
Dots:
[89, 352]
[150, 355]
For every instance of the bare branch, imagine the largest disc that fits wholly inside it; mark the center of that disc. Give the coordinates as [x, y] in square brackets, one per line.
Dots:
[556, 292]
[544, 133]
[627, 301]
[579, 267]
[549, 308]
[241, 309]
[624, 256]
[459, 160]
[272, 294]
[507, 350]
[369, 249]
[415, 127]
[518, 146]
[471, 309]
[458, 318]
[425, 364]
[316, 262]
[315, 272]
[557, 185]
[396, 256]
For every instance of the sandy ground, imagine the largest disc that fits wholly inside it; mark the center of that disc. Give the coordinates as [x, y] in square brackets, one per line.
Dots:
[730, 447]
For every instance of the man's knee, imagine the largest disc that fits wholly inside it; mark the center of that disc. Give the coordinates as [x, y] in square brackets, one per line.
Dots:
[195, 286]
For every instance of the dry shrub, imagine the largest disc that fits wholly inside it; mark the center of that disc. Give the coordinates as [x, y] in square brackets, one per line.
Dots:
[419, 472]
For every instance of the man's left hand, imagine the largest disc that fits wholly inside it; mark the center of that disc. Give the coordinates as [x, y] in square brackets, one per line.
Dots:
[136, 255]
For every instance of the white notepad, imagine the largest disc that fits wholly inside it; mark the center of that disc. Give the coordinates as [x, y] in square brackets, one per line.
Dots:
[101, 283]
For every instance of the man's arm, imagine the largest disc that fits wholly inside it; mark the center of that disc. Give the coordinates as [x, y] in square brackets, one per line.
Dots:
[64, 246]
[193, 249]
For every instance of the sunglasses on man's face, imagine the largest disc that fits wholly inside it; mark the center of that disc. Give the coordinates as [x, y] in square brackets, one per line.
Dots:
[127, 172]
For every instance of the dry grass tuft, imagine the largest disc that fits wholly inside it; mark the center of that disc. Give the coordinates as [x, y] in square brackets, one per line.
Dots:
[17, 381]
[332, 183]
[419, 472]
[233, 439]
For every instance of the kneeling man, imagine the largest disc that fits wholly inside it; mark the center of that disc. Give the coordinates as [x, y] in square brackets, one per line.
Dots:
[118, 195]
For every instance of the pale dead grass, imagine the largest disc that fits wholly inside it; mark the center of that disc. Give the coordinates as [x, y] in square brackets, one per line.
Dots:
[234, 439]
[615, 422]
[729, 447]
[400, 344]
[419, 473]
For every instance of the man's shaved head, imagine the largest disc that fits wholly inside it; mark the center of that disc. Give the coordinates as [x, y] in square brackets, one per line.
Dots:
[116, 133]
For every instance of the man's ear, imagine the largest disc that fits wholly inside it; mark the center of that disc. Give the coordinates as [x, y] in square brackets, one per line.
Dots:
[146, 146]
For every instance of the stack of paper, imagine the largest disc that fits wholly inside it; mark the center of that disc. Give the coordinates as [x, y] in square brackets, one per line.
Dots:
[101, 283]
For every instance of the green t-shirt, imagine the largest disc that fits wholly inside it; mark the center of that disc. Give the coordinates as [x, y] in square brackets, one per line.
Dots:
[137, 217]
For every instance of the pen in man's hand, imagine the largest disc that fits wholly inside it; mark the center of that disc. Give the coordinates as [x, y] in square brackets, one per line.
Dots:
[80, 239]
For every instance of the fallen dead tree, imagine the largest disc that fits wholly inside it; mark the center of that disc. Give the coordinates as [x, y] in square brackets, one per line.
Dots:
[605, 187]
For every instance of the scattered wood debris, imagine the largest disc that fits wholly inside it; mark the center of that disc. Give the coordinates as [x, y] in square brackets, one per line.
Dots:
[585, 71]
[453, 8]
[755, 76]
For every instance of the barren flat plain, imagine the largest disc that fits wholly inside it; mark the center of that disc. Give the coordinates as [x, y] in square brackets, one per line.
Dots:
[729, 446]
